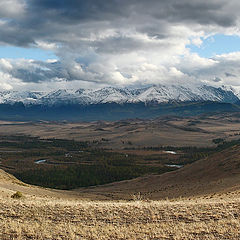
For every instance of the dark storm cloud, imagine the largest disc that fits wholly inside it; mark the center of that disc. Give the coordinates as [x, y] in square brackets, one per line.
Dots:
[203, 12]
[9, 35]
[50, 20]
[75, 10]
[37, 73]
[120, 44]
[196, 11]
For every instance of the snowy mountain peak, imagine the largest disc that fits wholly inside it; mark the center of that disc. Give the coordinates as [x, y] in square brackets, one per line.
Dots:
[154, 93]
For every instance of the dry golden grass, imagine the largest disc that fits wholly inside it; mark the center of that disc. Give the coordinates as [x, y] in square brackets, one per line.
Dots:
[43, 218]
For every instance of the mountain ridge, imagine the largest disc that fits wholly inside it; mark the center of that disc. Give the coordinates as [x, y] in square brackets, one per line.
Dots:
[154, 93]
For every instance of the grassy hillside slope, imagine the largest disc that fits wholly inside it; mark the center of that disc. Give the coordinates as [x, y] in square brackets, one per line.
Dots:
[217, 173]
[204, 204]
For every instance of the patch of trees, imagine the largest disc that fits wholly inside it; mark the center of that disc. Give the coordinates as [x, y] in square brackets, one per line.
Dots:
[85, 175]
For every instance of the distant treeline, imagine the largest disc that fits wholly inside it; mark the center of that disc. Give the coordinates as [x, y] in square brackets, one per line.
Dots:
[27, 142]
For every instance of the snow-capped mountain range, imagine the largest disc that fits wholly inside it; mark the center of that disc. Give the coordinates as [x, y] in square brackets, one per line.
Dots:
[155, 93]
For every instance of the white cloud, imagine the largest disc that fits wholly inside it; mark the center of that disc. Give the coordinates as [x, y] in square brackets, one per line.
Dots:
[12, 8]
[5, 65]
[47, 46]
[7, 82]
[197, 41]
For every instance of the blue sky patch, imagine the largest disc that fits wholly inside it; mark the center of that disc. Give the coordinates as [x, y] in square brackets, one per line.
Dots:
[216, 45]
[26, 53]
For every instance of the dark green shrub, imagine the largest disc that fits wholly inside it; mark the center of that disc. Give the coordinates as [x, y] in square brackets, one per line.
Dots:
[17, 195]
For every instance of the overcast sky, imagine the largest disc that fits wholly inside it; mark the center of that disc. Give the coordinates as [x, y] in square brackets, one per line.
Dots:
[50, 44]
